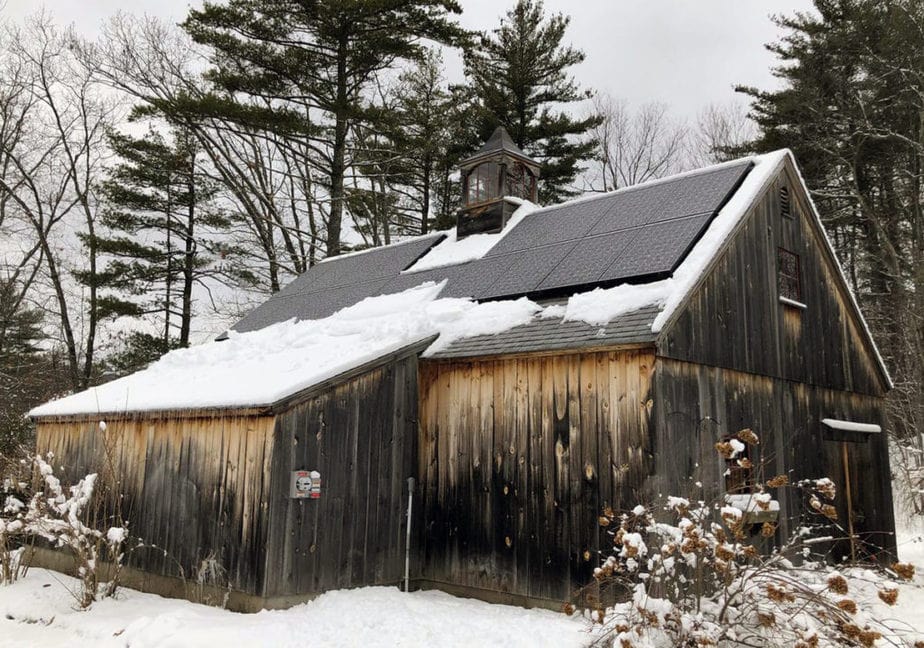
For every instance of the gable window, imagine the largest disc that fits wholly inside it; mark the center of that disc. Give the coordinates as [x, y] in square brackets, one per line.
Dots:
[785, 204]
[789, 276]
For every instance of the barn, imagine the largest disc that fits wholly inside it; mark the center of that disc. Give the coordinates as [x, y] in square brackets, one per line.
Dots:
[508, 379]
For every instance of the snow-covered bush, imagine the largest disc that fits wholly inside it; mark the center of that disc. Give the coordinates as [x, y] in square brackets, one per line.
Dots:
[695, 573]
[58, 514]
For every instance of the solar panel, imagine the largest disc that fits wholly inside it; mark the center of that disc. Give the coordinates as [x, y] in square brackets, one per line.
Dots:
[656, 249]
[355, 268]
[587, 260]
[307, 306]
[525, 270]
[674, 198]
[638, 232]
[566, 222]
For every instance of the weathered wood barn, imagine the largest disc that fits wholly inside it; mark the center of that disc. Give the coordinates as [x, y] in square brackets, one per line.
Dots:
[526, 369]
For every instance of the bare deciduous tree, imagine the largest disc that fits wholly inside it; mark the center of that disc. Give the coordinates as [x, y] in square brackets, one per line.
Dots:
[635, 146]
[721, 132]
[53, 123]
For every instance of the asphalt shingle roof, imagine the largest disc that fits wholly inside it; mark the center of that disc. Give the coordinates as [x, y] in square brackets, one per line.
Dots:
[553, 334]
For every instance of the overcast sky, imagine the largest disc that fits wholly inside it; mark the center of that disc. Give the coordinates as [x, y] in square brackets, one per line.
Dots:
[687, 53]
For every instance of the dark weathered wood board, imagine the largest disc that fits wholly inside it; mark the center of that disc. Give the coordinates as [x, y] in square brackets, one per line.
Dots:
[361, 436]
[193, 488]
[736, 320]
[526, 522]
[695, 406]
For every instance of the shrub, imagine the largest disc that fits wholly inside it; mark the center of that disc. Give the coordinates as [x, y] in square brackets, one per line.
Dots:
[696, 575]
[57, 514]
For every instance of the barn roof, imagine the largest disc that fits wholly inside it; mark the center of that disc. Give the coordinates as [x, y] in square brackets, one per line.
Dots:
[634, 235]
[554, 333]
[601, 271]
[499, 142]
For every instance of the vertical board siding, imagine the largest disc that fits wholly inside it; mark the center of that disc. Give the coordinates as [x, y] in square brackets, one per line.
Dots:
[569, 435]
[735, 319]
[191, 488]
[361, 436]
[697, 405]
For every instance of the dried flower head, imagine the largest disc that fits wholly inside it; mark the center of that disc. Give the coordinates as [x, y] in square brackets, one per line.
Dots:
[851, 630]
[767, 529]
[838, 584]
[778, 481]
[826, 487]
[779, 594]
[568, 609]
[869, 637]
[904, 570]
[766, 619]
[747, 435]
[725, 449]
[604, 521]
[889, 595]
[745, 463]
[848, 606]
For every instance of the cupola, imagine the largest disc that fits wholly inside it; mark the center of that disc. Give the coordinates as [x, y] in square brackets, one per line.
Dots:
[497, 172]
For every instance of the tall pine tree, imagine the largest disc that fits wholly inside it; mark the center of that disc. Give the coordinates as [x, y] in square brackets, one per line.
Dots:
[303, 66]
[851, 106]
[520, 75]
[164, 233]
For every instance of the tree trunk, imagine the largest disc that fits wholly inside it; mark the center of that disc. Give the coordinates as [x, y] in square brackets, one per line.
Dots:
[169, 278]
[338, 166]
[189, 257]
[425, 206]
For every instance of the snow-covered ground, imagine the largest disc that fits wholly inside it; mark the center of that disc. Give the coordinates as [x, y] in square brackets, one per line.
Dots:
[39, 611]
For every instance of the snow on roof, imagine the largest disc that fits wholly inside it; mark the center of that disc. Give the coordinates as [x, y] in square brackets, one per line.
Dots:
[697, 262]
[452, 251]
[261, 367]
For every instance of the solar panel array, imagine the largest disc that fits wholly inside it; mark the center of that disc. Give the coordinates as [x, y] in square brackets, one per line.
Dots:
[638, 233]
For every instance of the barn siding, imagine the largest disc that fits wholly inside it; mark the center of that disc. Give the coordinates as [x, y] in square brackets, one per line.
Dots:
[361, 436]
[697, 405]
[519, 456]
[735, 319]
[192, 488]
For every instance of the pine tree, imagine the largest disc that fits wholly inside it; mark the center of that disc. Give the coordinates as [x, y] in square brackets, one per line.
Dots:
[301, 68]
[409, 157]
[163, 232]
[24, 374]
[520, 75]
[428, 139]
[851, 106]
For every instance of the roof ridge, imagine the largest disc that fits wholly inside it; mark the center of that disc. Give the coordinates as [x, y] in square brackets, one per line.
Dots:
[650, 183]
